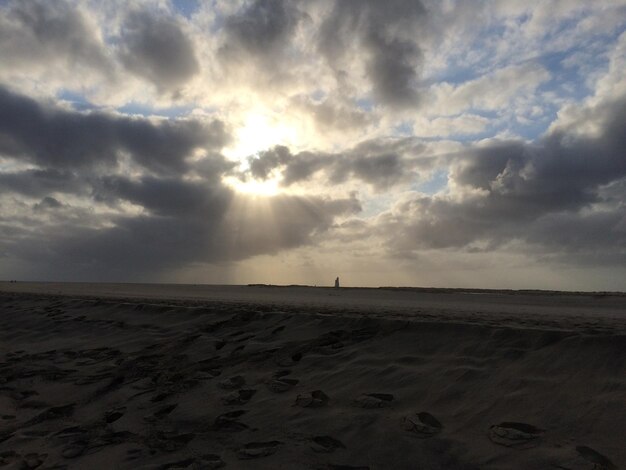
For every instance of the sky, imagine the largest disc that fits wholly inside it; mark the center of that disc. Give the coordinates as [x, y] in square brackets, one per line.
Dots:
[435, 143]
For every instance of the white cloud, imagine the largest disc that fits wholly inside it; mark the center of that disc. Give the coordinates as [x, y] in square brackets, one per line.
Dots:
[492, 92]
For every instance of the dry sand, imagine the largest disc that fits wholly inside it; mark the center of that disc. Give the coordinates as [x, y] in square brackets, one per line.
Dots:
[144, 376]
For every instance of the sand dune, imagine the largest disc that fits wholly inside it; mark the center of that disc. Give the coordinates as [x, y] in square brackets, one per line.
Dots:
[317, 379]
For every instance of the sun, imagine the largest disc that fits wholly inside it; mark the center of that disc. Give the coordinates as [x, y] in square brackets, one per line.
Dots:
[253, 187]
[259, 131]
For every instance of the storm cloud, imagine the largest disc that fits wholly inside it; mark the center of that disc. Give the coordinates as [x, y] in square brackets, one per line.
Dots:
[54, 137]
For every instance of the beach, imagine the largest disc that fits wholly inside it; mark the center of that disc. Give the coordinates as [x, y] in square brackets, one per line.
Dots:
[267, 377]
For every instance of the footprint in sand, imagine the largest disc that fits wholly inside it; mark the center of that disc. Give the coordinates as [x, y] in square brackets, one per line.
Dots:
[331, 466]
[113, 415]
[33, 433]
[76, 449]
[314, 399]
[8, 457]
[244, 338]
[55, 412]
[517, 435]
[206, 461]
[228, 422]
[596, 458]
[76, 441]
[23, 394]
[231, 383]
[373, 400]
[288, 360]
[159, 397]
[423, 424]
[33, 404]
[326, 444]
[169, 441]
[163, 412]
[134, 453]
[279, 383]
[587, 458]
[237, 350]
[254, 450]
[204, 375]
[240, 397]
[33, 460]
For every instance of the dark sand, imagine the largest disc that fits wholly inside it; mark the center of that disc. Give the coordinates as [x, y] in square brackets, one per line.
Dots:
[144, 376]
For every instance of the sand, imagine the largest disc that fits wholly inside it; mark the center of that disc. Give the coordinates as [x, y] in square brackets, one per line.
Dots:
[144, 376]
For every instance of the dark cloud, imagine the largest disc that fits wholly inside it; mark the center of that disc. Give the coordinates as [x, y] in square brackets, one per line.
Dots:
[166, 196]
[157, 49]
[262, 166]
[261, 37]
[147, 246]
[381, 171]
[169, 214]
[393, 71]
[58, 138]
[37, 183]
[591, 234]
[550, 194]
[381, 163]
[47, 203]
[385, 33]
[41, 33]
[262, 28]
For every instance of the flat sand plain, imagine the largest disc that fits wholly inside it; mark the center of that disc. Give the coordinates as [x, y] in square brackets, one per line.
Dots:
[185, 376]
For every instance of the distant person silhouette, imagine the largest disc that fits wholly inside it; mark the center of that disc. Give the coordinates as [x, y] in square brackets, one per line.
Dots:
[337, 283]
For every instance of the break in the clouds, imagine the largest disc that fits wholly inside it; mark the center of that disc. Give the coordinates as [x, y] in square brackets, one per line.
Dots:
[288, 141]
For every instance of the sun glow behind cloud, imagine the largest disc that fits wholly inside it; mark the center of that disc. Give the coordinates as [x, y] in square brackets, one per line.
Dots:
[260, 131]
[253, 187]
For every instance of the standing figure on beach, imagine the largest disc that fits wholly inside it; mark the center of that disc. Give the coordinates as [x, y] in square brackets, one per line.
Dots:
[337, 282]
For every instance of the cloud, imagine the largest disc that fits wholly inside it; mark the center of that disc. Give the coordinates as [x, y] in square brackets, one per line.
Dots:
[167, 196]
[262, 28]
[264, 164]
[384, 36]
[47, 203]
[134, 222]
[38, 183]
[54, 137]
[493, 91]
[334, 115]
[157, 49]
[535, 193]
[209, 227]
[382, 163]
[42, 34]
[491, 131]
[260, 39]
[464, 124]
